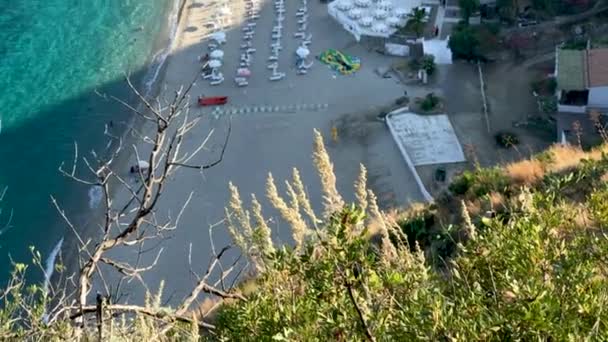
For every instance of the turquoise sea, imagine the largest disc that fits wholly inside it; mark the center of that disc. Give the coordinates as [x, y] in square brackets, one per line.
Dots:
[56, 57]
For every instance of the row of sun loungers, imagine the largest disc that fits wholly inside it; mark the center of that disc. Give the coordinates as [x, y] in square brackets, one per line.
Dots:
[305, 37]
[275, 46]
[252, 12]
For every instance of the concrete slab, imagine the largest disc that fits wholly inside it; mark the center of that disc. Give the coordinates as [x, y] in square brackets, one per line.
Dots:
[427, 139]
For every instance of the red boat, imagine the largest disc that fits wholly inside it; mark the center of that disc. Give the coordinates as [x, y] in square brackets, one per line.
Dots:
[212, 101]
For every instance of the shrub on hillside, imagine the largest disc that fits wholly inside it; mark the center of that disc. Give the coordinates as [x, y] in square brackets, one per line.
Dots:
[506, 139]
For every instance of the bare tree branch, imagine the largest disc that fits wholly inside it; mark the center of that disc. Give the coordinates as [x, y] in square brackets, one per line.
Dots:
[160, 314]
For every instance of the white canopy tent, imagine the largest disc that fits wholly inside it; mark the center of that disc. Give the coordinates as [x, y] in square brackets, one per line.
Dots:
[372, 18]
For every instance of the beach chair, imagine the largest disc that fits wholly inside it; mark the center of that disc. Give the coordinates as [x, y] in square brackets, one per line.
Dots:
[299, 35]
[273, 58]
[273, 66]
[277, 77]
[303, 65]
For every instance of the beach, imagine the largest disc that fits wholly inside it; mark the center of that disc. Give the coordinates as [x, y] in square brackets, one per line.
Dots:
[272, 130]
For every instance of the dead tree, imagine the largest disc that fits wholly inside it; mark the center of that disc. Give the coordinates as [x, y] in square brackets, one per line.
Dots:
[130, 224]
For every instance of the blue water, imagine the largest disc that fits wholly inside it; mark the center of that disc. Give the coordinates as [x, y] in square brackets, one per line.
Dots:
[55, 57]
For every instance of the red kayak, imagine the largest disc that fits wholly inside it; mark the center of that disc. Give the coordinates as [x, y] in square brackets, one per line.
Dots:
[212, 101]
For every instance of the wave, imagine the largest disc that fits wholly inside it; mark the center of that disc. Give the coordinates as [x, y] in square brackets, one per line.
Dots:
[160, 57]
[49, 266]
[95, 196]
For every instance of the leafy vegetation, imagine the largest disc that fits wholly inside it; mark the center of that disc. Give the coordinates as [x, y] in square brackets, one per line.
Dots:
[416, 21]
[468, 8]
[464, 43]
[513, 253]
[430, 102]
[506, 139]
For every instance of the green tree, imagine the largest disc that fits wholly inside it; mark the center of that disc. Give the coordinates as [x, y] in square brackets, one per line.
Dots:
[468, 8]
[416, 21]
[427, 63]
[464, 43]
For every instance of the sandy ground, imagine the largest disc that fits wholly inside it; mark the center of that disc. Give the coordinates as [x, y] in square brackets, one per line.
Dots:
[274, 142]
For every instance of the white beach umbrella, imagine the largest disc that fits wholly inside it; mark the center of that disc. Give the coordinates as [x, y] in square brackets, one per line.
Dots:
[344, 5]
[215, 64]
[363, 3]
[380, 27]
[384, 4]
[217, 54]
[143, 165]
[401, 12]
[225, 11]
[366, 21]
[302, 52]
[219, 37]
[380, 14]
[355, 13]
[393, 21]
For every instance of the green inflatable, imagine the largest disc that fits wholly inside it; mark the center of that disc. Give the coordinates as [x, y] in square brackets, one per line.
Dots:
[340, 62]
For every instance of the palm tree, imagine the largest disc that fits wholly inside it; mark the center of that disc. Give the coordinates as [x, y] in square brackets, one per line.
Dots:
[416, 20]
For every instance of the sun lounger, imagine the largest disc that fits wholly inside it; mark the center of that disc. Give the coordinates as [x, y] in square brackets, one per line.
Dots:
[277, 76]
[299, 35]
[217, 82]
[272, 66]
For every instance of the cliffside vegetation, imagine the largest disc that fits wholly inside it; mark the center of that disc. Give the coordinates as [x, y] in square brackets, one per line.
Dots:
[509, 253]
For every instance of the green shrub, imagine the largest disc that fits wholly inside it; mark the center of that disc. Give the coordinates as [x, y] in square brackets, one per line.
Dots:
[427, 63]
[418, 227]
[506, 139]
[429, 102]
[461, 184]
[480, 182]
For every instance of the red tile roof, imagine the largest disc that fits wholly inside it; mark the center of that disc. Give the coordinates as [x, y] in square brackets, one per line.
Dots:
[597, 67]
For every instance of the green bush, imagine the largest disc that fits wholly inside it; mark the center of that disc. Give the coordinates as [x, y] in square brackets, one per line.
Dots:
[427, 63]
[429, 102]
[506, 139]
[418, 227]
[480, 182]
[461, 184]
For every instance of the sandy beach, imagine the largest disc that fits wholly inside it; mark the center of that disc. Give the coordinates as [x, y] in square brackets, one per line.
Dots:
[266, 140]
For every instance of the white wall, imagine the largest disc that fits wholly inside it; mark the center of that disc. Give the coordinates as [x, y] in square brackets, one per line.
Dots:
[598, 97]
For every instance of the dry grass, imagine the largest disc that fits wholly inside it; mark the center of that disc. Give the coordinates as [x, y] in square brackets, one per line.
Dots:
[525, 172]
[566, 157]
[497, 201]
[563, 158]
[474, 207]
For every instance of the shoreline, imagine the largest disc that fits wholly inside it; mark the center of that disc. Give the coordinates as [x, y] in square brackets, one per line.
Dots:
[68, 248]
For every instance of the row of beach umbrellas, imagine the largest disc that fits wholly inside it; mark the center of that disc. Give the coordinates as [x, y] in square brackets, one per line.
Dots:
[347, 4]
